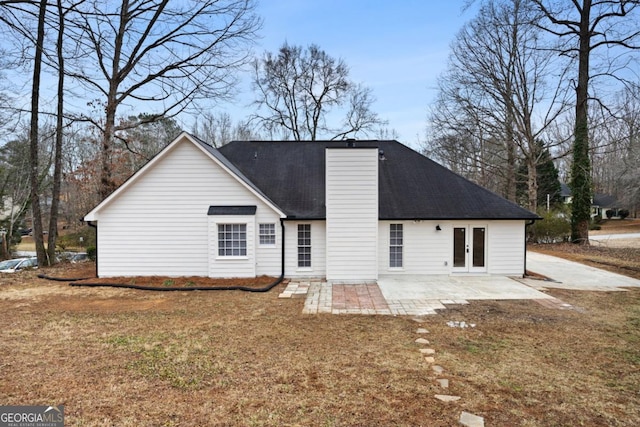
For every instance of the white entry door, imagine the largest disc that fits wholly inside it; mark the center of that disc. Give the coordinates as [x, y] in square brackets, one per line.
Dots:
[469, 249]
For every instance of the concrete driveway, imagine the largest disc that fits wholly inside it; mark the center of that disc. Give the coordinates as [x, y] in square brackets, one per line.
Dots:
[572, 275]
[601, 237]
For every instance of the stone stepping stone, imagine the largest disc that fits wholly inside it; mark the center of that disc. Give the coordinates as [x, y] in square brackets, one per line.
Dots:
[447, 398]
[418, 319]
[437, 369]
[422, 341]
[422, 331]
[430, 359]
[469, 420]
[443, 382]
[427, 351]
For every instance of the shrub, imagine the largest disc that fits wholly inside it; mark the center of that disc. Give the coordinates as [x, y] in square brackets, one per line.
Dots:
[554, 227]
[91, 253]
[610, 214]
[623, 213]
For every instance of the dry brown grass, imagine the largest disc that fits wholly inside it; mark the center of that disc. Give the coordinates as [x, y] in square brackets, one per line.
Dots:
[131, 358]
[616, 226]
[117, 357]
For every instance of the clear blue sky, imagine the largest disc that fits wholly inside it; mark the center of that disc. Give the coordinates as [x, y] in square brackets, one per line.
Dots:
[397, 48]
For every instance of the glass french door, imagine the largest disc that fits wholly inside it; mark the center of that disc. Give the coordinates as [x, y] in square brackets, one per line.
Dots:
[469, 249]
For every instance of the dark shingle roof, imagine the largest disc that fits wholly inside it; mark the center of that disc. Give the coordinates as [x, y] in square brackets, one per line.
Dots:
[411, 186]
[604, 200]
[599, 199]
[232, 210]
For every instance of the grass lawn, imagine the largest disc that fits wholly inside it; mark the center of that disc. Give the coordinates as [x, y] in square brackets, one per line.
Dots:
[118, 357]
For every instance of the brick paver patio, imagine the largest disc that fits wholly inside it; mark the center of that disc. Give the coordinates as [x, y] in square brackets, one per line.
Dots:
[363, 298]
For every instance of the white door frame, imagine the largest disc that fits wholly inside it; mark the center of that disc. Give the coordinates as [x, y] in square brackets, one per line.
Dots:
[469, 254]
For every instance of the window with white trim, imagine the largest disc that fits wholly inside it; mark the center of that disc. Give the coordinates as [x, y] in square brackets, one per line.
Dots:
[304, 245]
[232, 240]
[267, 233]
[395, 245]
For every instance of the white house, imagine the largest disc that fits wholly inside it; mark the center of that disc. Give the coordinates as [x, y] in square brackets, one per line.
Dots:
[602, 205]
[345, 210]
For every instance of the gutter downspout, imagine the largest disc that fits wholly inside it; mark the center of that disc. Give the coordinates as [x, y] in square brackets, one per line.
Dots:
[96, 227]
[282, 250]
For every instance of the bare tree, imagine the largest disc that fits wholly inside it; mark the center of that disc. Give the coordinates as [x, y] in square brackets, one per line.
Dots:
[496, 96]
[33, 137]
[144, 139]
[57, 149]
[586, 26]
[616, 156]
[81, 184]
[15, 193]
[168, 55]
[219, 129]
[21, 17]
[298, 87]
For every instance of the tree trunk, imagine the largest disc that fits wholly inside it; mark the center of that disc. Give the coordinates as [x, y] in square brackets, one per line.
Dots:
[510, 184]
[33, 138]
[57, 162]
[107, 185]
[532, 183]
[581, 166]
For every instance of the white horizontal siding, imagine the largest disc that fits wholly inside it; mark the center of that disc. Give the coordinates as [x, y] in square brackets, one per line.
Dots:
[352, 214]
[159, 225]
[318, 250]
[506, 248]
[428, 251]
[425, 250]
[269, 258]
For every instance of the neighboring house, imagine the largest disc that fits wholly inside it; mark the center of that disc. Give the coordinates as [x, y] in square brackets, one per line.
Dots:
[600, 203]
[565, 193]
[345, 210]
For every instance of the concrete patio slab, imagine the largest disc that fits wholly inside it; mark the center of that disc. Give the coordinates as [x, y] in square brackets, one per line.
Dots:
[448, 288]
[572, 275]
[419, 295]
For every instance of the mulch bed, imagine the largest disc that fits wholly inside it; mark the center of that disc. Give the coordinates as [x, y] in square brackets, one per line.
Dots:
[86, 272]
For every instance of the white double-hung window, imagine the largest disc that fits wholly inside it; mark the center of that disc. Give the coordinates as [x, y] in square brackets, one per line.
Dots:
[395, 245]
[304, 245]
[232, 240]
[267, 234]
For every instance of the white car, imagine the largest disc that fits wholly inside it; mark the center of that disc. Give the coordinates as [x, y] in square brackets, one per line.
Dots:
[73, 257]
[13, 265]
